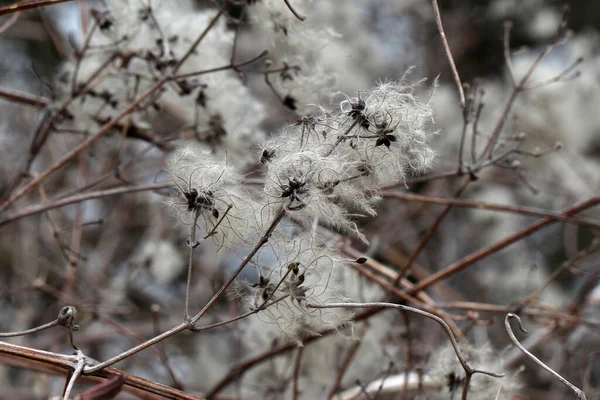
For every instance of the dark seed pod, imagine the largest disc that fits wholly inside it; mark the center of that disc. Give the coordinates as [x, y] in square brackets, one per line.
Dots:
[267, 155]
[289, 102]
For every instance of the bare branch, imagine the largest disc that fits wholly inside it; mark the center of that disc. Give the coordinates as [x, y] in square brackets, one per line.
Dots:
[469, 371]
[440, 27]
[578, 392]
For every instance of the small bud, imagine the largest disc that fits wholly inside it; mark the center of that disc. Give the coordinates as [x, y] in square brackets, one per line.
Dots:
[290, 102]
[66, 317]
[294, 267]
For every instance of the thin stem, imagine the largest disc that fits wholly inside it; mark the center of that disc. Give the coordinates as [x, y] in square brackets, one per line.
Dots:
[198, 40]
[76, 373]
[429, 305]
[431, 231]
[30, 331]
[507, 58]
[223, 68]
[11, 21]
[382, 383]
[342, 137]
[469, 371]
[179, 328]
[480, 205]
[45, 206]
[80, 54]
[409, 353]
[463, 135]
[478, 255]
[190, 324]
[559, 77]
[578, 392]
[440, 27]
[263, 240]
[192, 245]
[474, 132]
[26, 5]
[64, 364]
[24, 98]
[297, 363]
[80, 147]
[489, 147]
[300, 17]
[155, 309]
[346, 363]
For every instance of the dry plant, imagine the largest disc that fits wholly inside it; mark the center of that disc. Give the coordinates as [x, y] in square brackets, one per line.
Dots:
[152, 201]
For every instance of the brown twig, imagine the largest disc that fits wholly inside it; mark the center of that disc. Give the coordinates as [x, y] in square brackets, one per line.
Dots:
[346, 363]
[11, 21]
[80, 147]
[469, 371]
[68, 363]
[289, 6]
[507, 57]
[239, 369]
[519, 87]
[431, 230]
[177, 384]
[296, 376]
[440, 27]
[578, 392]
[479, 255]
[222, 68]
[190, 324]
[26, 5]
[480, 205]
[202, 35]
[29, 331]
[24, 98]
[430, 306]
[45, 206]
[76, 234]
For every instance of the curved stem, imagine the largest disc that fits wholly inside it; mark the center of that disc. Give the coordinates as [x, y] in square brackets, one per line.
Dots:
[30, 331]
[578, 392]
[461, 358]
[300, 17]
[76, 374]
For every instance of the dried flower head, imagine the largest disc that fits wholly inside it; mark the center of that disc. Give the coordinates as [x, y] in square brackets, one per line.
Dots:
[210, 195]
[312, 187]
[390, 135]
[302, 271]
[448, 375]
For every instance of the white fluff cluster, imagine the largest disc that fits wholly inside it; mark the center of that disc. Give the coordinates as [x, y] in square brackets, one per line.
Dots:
[448, 376]
[301, 45]
[210, 195]
[324, 167]
[303, 271]
[132, 46]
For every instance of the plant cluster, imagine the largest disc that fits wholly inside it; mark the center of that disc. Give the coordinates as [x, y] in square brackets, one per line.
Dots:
[258, 210]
